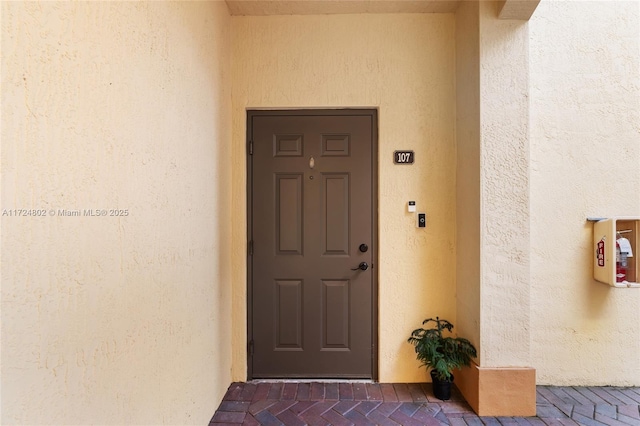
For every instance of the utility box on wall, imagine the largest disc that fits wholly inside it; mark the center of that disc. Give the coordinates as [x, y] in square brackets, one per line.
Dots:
[616, 257]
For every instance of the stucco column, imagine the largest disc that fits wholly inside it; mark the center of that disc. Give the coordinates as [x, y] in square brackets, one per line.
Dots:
[493, 273]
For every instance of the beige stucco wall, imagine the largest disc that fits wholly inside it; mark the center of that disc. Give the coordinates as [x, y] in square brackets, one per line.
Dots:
[112, 105]
[504, 191]
[468, 172]
[404, 66]
[128, 105]
[492, 187]
[585, 161]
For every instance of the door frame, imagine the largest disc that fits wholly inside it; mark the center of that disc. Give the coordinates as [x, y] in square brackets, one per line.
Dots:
[371, 112]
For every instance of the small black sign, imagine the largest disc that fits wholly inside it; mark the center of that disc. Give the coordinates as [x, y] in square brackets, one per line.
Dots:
[403, 157]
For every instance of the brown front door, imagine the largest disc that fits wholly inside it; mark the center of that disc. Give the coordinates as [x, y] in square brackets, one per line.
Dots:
[311, 223]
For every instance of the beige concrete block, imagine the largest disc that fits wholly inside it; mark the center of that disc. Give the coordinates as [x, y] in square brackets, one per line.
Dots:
[503, 392]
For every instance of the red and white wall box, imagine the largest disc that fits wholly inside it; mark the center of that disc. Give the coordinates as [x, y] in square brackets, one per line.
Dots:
[615, 246]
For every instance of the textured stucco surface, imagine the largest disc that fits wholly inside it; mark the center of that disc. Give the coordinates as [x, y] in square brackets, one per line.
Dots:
[504, 191]
[585, 161]
[468, 172]
[106, 105]
[128, 105]
[492, 185]
[404, 66]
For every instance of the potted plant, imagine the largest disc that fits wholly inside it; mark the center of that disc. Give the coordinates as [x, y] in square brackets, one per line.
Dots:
[441, 354]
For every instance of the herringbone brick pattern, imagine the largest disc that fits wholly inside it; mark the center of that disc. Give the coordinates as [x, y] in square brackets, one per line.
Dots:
[588, 405]
[352, 403]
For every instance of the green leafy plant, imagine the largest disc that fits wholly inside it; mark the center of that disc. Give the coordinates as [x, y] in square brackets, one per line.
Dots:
[442, 354]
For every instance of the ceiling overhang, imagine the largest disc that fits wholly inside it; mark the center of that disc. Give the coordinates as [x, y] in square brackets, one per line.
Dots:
[507, 9]
[517, 9]
[331, 7]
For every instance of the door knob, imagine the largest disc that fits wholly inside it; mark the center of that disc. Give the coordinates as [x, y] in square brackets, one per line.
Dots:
[363, 266]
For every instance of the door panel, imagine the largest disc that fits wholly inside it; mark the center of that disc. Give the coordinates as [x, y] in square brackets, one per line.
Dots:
[335, 213]
[288, 314]
[288, 213]
[312, 205]
[335, 325]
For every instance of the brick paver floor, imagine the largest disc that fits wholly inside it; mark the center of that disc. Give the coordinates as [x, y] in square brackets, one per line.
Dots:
[354, 403]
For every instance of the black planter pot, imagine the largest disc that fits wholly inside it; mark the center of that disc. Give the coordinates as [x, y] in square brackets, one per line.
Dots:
[441, 388]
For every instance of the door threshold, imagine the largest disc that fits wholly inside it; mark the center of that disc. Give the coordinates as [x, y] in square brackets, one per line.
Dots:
[309, 380]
